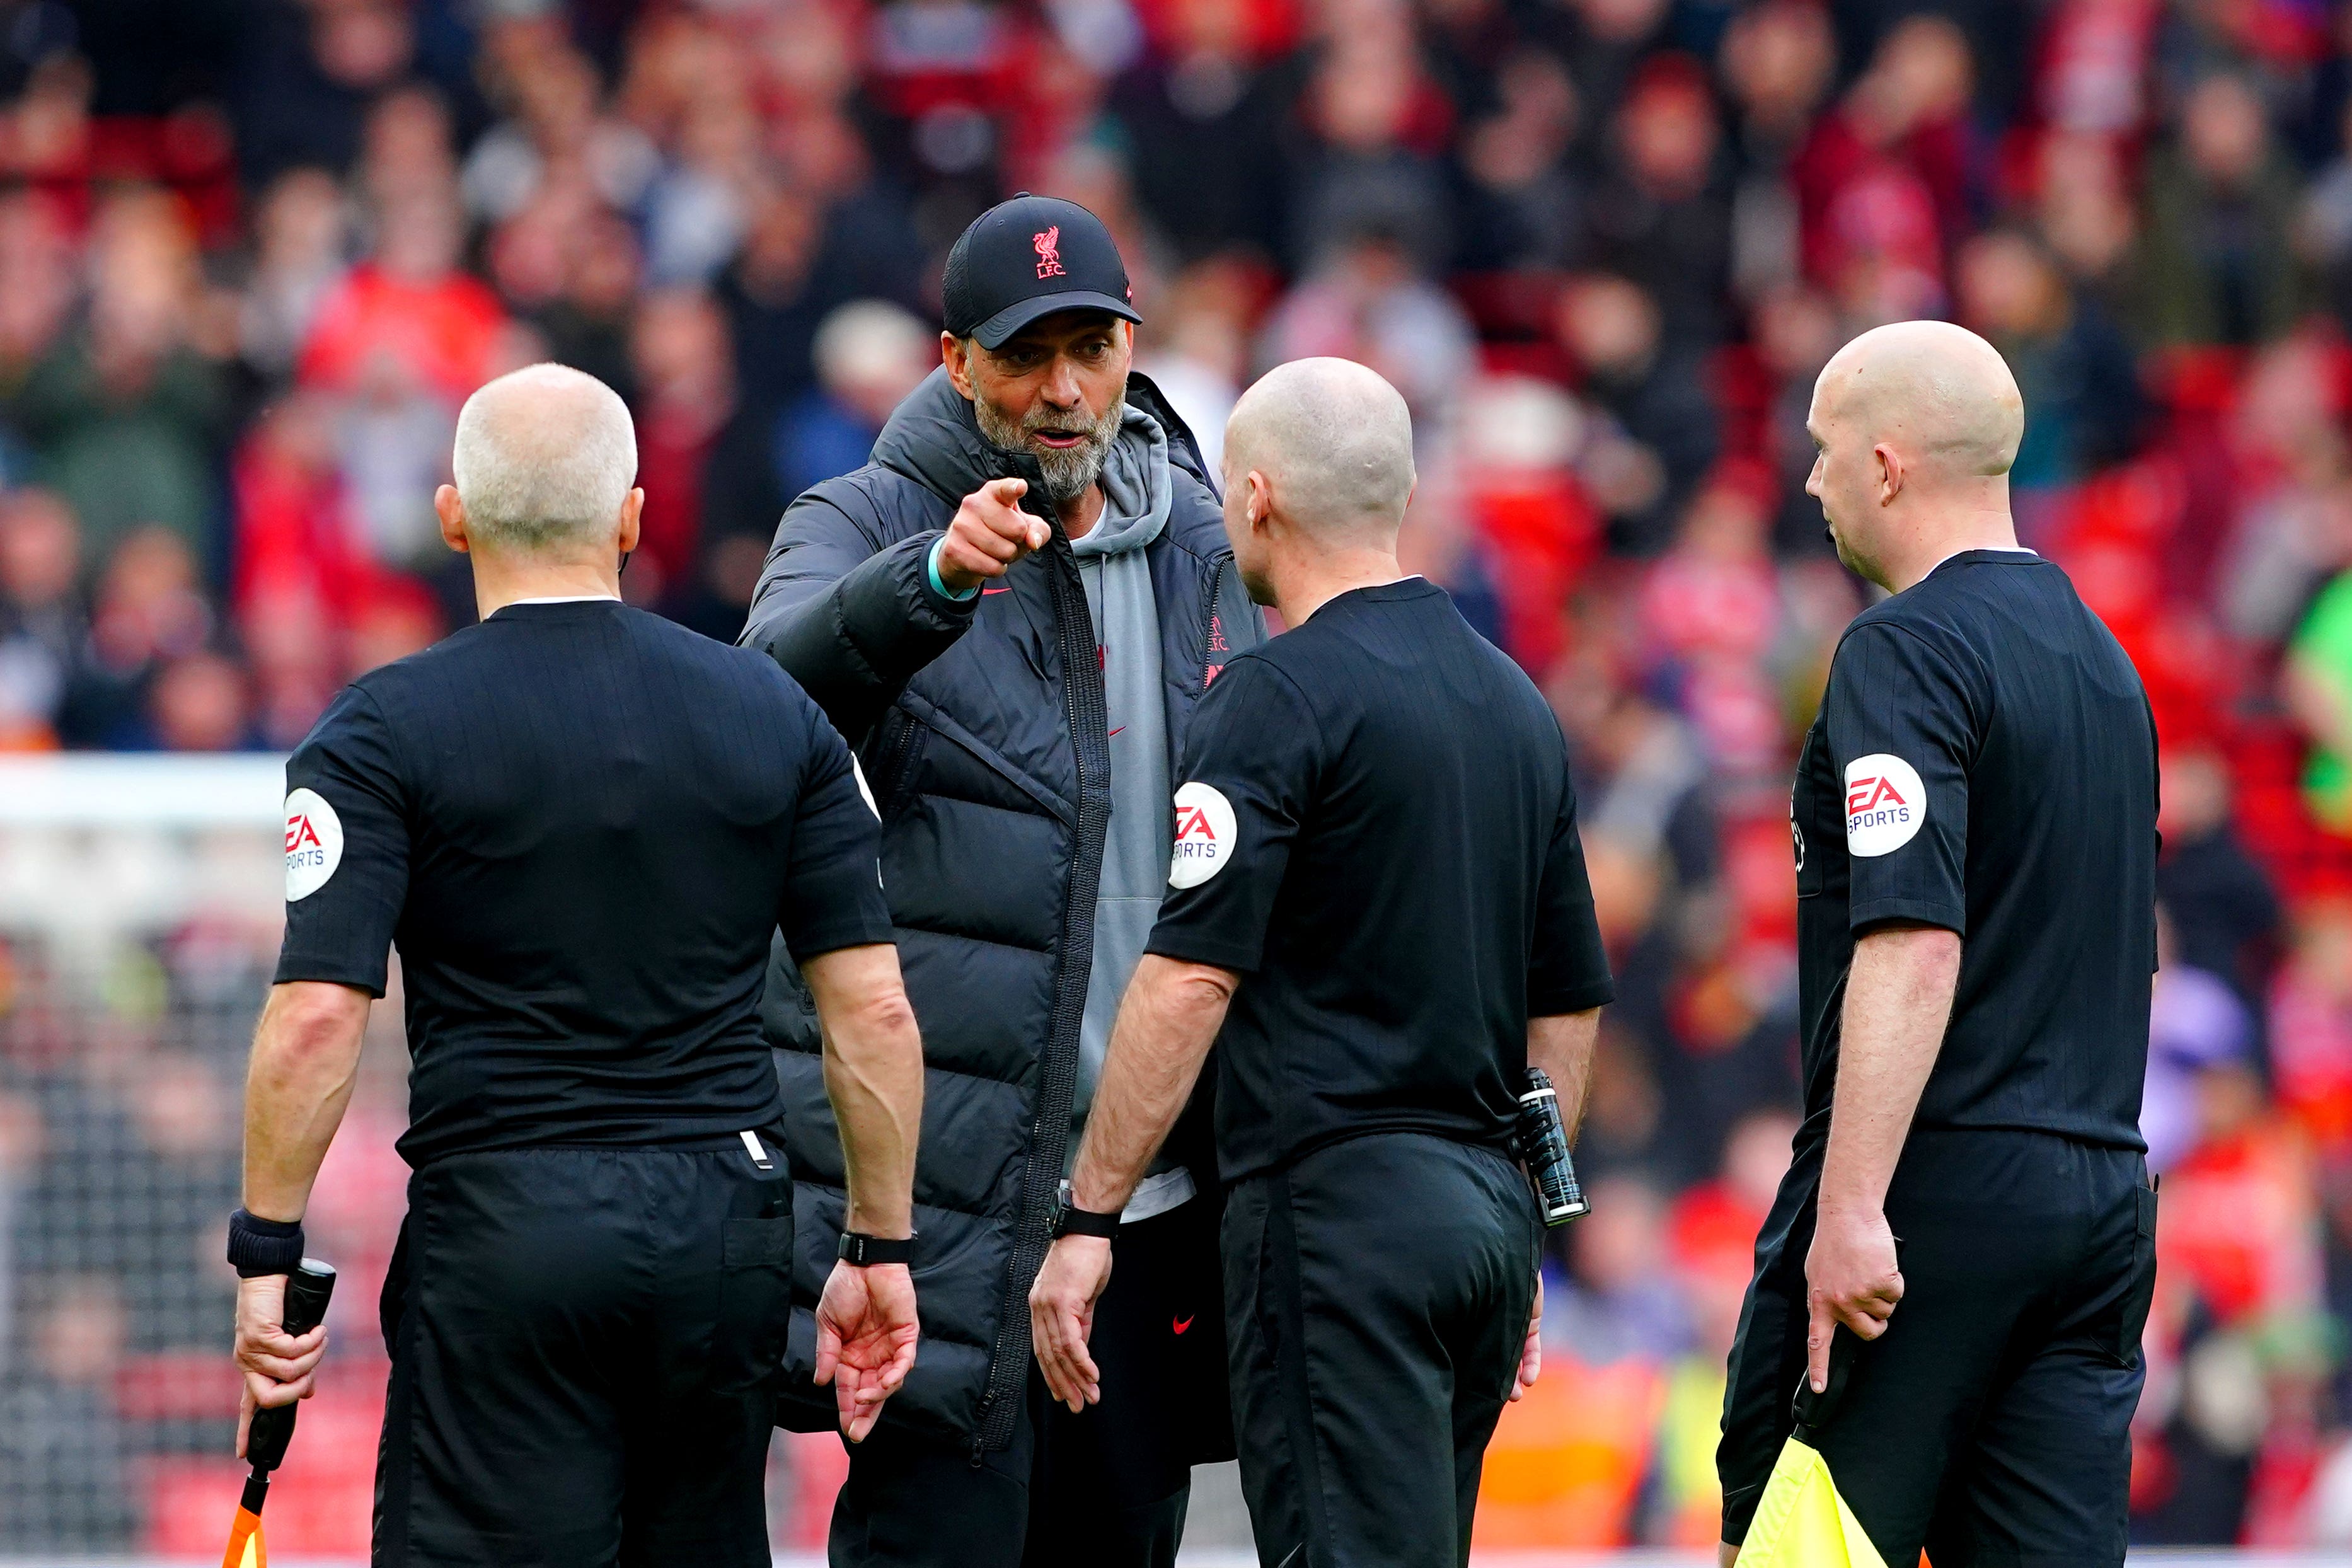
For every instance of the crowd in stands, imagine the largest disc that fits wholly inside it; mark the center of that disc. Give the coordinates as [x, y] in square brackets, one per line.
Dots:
[254, 252]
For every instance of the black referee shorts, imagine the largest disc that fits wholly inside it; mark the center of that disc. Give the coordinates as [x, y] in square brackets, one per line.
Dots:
[1377, 1294]
[581, 1341]
[1106, 1487]
[1991, 1424]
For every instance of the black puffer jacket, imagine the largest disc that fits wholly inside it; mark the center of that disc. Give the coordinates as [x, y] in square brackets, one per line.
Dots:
[980, 726]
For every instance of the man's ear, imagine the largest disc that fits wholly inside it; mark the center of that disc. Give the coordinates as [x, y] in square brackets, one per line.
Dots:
[452, 513]
[1258, 507]
[1890, 473]
[632, 508]
[958, 363]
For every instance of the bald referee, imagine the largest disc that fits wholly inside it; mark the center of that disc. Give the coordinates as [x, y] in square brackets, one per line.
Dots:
[1960, 1260]
[1382, 918]
[579, 824]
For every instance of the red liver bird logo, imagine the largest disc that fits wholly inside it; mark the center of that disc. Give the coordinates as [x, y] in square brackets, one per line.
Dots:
[1048, 246]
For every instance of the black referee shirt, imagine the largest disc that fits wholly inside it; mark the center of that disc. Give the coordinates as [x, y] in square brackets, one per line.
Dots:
[1377, 829]
[1985, 761]
[579, 824]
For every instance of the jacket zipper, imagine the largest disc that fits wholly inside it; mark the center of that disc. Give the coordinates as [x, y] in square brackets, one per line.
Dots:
[1049, 1132]
[1208, 649]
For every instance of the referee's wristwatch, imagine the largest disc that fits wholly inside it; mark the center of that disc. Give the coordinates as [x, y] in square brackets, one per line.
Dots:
[1071, 1220]
[860, 1250]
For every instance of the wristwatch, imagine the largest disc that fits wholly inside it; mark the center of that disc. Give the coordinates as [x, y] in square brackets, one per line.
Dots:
[1071, 1220]
[860, 1250]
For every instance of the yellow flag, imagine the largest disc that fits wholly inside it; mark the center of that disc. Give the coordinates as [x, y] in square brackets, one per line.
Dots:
[245, 1547]
[1801, 1521]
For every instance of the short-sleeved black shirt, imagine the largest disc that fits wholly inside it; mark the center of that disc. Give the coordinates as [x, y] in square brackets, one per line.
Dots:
[1376, 829]
[1985, 761]
[581, 826]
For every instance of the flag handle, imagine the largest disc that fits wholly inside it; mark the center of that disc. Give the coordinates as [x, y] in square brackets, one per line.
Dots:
[308, 1289]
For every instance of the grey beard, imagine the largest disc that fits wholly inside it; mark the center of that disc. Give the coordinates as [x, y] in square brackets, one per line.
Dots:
[1068, 474]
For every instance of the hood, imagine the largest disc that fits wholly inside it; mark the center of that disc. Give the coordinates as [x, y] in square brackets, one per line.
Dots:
[933, 440]
[1137, 490]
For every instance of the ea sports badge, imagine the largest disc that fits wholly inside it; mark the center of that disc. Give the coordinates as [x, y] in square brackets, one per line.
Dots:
[1204, 835]
[1886, 805]
[314, 844]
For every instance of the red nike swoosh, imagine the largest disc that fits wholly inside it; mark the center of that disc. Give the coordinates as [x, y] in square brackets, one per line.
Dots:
[1181, 1325]
[1007, 589]
[1115, 731]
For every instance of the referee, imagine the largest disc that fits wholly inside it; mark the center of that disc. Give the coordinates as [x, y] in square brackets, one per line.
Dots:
[579, 824]
[1381, 899]
[1975, 834]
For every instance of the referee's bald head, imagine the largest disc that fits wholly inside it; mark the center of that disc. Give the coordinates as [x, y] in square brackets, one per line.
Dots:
[1334, 443]
[1916, 425]
[1939, 393]
[545, 460]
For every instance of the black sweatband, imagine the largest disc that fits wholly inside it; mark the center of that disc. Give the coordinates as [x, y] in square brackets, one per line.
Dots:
[259, 1246]
[858, 1249]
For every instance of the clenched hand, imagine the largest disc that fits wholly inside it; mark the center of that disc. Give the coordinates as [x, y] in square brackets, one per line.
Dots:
[989, 533]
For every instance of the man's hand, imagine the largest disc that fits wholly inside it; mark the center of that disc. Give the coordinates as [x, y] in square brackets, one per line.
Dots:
[1062, 1315]
[865, 1335]
[279, 1368]
[1851, 1278]
[1531, 1353]
[988, 534]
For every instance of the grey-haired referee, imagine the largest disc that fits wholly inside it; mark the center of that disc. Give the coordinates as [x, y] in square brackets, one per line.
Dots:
[579, 824]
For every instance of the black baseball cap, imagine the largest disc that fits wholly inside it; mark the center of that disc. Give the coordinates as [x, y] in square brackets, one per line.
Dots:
[1029, 257]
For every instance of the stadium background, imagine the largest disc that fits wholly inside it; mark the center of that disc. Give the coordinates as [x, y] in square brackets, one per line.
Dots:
[252, 253]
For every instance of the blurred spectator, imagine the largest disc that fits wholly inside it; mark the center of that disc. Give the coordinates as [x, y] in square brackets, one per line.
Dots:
[299, 235]
[2311, 1024]
[1520, 204]
[43, 629]
[2073, 365]
[2196, 1022]
[2223, 914]
[123, 414]
[1665, 211]
[1369, 302]
[869, 356]
[1363, 144]
[703, 455]
[60, 1439]
[1620, 1301]
[408, 303]
[2215, 264]
[198, 702]
[1655, 392]
[1778, 61]
[1886, 183]
[149, 610]
[1203, 101]
[2319, 688]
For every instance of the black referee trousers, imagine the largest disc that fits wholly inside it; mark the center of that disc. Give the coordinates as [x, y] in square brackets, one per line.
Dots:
[1377, 1293]
[580, 1343]
[1991, 1424]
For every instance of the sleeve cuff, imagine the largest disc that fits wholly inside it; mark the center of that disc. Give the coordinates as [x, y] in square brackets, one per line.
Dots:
[1192, 947]
[931, 571]
[292, 966]
[1551, 1003]
[818, 941]
[1866, 916]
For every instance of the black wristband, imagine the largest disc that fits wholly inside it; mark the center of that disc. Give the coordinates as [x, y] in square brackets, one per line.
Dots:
[259, 1246]
[1071, 1220]
[860, 1250]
